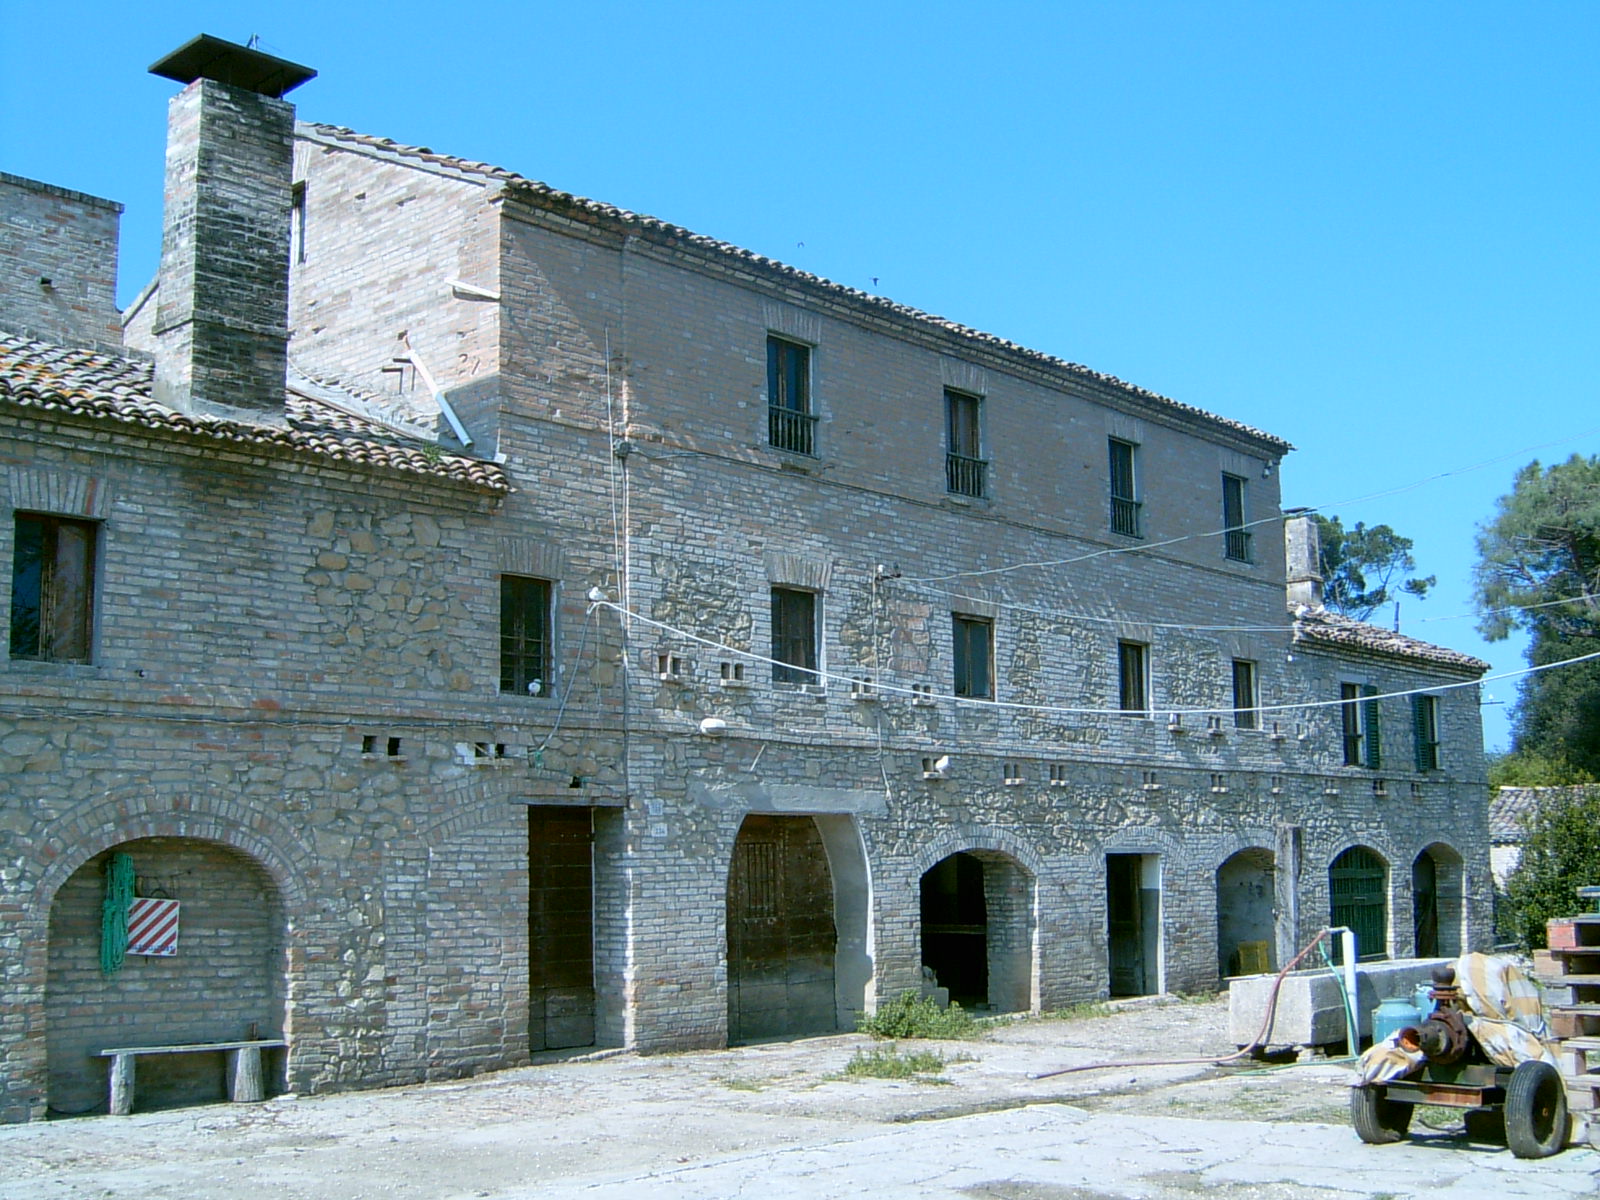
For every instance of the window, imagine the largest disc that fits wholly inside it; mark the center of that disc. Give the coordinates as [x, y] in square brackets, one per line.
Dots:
[526, 636]
[297, 221]
[964, 466]
[1359, 717]
[1133, 678]
[52, 588]
[974, 648]
[794, 636]
[1425, 731]
[1245, 698]
[1235, 537]
[1124, 489]
[790, 422]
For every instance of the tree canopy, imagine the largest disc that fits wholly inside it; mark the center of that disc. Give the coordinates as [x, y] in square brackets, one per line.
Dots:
[1560, 854]
[1364, 568]
[1539, 571]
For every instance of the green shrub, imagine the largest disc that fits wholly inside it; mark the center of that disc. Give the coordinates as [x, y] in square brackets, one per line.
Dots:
[888, 1063]
[914, 1016]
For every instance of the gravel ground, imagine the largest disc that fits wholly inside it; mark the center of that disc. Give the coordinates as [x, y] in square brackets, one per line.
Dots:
[784, 1120]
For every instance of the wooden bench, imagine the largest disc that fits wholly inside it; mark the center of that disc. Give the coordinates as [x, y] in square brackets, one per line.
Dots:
[245, 1081]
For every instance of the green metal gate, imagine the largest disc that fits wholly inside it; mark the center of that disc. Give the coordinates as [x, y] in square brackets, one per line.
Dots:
[1358, 884]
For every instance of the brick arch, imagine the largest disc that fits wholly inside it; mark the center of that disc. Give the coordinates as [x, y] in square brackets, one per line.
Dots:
[969, 838]
[202, 817]
[1009, 963]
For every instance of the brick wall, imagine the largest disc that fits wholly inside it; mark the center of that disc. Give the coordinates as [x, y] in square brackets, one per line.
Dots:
[69, 239]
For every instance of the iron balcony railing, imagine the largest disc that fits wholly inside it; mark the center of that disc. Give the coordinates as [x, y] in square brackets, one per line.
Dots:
[1125, 516]
[790, 430]
[1237, 545]
[965, 476]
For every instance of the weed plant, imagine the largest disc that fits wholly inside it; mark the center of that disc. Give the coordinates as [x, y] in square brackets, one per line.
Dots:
[914, 1016]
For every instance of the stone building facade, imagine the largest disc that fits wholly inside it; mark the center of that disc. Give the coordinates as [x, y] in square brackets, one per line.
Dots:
[617, 638]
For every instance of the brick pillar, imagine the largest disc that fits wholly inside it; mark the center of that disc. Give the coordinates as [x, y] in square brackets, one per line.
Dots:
[223, 312]
[1303, 552]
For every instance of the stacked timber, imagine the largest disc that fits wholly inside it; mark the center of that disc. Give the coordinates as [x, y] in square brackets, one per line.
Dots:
[1572, 962]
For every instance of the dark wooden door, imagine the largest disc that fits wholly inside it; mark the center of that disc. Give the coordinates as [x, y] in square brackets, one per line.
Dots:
[781, 937]
[1425, 905]
[1125, 925]
[560, 928]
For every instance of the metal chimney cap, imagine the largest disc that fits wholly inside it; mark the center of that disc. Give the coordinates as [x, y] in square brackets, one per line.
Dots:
[208, 57]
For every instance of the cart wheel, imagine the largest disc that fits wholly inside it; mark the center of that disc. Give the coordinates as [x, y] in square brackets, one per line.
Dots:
[1379, 1120]
[1536, 1110]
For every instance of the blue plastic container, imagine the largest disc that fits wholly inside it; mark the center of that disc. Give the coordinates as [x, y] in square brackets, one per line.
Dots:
[1393, 1015]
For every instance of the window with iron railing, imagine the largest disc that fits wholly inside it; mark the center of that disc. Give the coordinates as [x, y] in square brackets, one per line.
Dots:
[526, 636]
[965, 468]
[1246, 700]
[791, 425]
[1235, 537]
[1124, 489]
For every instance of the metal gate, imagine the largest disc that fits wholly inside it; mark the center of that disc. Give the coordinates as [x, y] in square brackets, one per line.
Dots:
[781, 937]
[1358, 885]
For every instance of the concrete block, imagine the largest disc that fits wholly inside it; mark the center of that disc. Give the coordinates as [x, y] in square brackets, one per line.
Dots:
[1310, 1007]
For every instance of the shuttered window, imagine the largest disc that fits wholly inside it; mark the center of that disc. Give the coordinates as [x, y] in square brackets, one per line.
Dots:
[1245, 699]
[1363, 745]
[974, 657]
[794, 636]
[1425, 731]
[1133, 678]
[52, 588]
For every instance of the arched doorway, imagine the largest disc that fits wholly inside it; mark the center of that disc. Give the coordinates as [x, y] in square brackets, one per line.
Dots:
[1246, 920]
[224, 981]
[978, 929]
[782, 940]
[1436, 903]
[1358, 891]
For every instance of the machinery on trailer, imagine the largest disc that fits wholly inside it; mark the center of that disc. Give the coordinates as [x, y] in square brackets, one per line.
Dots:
[1457, 1072]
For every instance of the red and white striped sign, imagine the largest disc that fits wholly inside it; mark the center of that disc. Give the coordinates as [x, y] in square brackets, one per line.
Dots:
[153, 927]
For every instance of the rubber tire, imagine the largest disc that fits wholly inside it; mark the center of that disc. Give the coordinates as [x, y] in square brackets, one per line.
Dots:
[1379, 1121]
[1536, 1110]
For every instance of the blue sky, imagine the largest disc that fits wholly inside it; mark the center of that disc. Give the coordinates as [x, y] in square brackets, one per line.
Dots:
[1368, 228]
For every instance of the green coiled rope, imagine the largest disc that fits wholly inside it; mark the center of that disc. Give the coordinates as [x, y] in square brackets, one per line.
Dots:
[114, 913]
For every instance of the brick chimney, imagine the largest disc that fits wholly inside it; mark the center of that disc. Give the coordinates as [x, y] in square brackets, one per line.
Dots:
[1303, 558]
[222, 318]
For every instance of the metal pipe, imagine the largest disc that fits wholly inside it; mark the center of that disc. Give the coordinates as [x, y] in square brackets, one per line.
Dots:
[1347, 951]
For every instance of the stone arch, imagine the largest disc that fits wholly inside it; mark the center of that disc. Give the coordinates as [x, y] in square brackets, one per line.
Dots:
[979, 927]
[1246, 912]
[91, 830]
[227, 979]
[1438, 901]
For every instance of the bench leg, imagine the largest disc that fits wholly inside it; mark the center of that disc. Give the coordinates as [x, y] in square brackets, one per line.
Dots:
[245, 1084]
[121, 1084]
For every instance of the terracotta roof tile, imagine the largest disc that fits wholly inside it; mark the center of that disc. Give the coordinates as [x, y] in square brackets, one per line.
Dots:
[87, 383]
[545, 196]
[1332, 629]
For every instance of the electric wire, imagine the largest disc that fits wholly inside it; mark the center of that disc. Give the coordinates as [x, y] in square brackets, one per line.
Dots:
[1066, 710]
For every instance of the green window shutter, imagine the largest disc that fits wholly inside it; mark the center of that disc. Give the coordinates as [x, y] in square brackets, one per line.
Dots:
[1419, 733]
[1374, 743]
